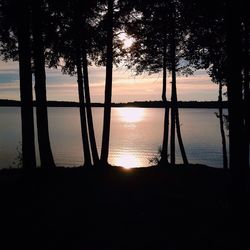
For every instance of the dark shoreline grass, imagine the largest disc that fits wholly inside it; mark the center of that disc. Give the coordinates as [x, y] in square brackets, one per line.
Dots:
[151, 208]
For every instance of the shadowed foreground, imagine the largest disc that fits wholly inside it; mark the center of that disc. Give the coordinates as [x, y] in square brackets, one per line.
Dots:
[150, 208]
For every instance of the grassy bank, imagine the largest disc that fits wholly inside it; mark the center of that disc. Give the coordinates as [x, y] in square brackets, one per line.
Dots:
[150, 208]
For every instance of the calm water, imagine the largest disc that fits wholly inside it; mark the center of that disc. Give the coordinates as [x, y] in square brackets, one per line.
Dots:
[136, 135]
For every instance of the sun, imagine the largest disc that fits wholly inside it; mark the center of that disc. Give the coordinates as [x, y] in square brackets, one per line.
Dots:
[127, 40]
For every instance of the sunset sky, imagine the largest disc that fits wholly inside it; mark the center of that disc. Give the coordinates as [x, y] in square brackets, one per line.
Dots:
[126, 86]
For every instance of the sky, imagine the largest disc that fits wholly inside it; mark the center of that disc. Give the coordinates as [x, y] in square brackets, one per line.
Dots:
[126, 86]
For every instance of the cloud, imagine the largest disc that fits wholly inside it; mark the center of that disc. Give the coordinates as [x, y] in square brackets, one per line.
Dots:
[8, 73]
[126, 86]
[7, 78]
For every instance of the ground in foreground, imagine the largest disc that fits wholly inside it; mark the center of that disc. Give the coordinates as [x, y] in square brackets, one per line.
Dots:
[150, 208]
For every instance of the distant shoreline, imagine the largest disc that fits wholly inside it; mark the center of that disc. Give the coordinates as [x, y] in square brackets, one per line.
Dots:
[137, 104]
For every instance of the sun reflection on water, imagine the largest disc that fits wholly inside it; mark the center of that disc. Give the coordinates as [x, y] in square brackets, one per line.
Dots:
[127, 160]
[131, 115]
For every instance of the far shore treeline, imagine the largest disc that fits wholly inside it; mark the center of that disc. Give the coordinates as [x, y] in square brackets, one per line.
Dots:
[135, 104]
[174, 37]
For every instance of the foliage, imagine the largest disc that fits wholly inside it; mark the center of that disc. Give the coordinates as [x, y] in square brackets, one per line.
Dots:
[155, 160]
[151, 27]
[18, 159]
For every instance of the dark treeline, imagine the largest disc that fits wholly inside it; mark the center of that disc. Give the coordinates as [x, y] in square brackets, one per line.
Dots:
[147, 104]
[169, 36]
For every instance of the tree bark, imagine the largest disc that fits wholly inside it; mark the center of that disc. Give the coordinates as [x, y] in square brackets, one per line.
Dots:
[246, 72]
[178, 131]
[83, 120]
[222, 131]
[164, 152]
[89, 111]
[174, 107]
[27, 119]
[46, 156]
[108, 86]
[237, 132]
[173, 97]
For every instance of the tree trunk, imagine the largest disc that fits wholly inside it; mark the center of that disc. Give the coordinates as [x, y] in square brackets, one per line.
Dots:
[27, 119]
[178, 131]
[237, 130]
[88, 108]
[172, 135]
[108, 86]
[46, 156]
[174, 108]
[82, 80]
[164, 152]
[83, 120]
[173, 101]
[246, 73]
[237, 133]
[222, 131]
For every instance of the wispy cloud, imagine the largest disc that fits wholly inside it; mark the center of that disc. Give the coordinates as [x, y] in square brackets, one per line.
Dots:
[126, 86]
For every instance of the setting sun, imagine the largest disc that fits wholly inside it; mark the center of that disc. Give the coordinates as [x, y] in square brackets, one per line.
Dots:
[131, 115]
[127, 40]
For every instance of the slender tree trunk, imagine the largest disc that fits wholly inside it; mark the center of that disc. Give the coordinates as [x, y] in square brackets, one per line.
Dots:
[82, 80]
[164, 78]
[173, 117]
[164, 152]
[246, 73]
[172, 135]
[222, 131]
[89, 111]
[173, 102]
[83, 119]
[237, 133]
[27, 119]
[108, 86]
[174, 108]
[45, 151]
[178, 131]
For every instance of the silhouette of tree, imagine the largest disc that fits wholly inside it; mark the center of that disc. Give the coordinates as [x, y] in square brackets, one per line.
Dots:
[207, 49]
[108, 53]
[84, 47]
[213, 45]
[35, 48]
[76, 28]
[154, 50]
[84, 35]
[217, 44]
[238, 140]
[176, 38]
[149, 52]
[74, 43]
[83, 118]
[15, 22]
[45, 151]
[246, 68]
[222, 131]
[94, 151]
[108, 85]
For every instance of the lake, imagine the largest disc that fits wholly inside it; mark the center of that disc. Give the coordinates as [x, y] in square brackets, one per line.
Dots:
[136, 136]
